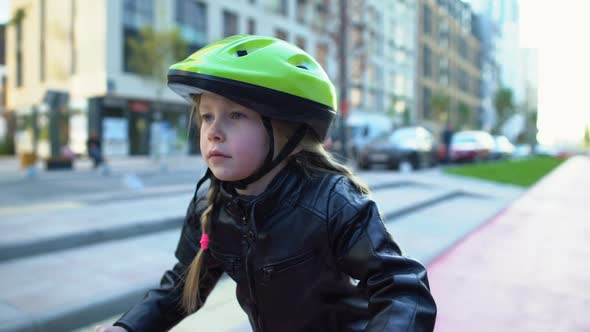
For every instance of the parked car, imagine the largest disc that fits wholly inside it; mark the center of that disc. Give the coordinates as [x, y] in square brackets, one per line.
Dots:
[522, 151]
[502, 148]
[471, 146]
[414, 145]
[363, 127]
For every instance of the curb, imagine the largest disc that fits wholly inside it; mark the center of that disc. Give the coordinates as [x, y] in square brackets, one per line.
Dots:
[69, 318]
[42, 246]
[428, 203]
[36, 247]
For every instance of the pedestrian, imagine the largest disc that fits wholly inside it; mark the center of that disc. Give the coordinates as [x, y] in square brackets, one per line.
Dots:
[294, 229]
[447, 137]
[94, 148]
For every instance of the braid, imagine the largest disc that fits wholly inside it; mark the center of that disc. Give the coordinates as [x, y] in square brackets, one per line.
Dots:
[190, 298]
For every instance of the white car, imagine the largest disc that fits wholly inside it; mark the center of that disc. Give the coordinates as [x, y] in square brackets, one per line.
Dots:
[502, 148]
[473, 145]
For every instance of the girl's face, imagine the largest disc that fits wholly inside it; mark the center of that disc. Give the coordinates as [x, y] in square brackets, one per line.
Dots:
[234, 142]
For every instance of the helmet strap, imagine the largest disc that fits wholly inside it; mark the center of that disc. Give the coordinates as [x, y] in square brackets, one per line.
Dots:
[207, 175]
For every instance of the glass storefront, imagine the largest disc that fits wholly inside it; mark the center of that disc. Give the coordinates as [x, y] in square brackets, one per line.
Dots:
[125, 127]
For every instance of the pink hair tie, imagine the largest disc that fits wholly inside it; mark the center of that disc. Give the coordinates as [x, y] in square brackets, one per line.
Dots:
[204, 241]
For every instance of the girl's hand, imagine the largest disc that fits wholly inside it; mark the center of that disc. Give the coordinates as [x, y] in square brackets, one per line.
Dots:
[101, 328]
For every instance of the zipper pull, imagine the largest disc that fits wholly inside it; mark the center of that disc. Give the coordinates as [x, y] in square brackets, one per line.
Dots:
[267, 273]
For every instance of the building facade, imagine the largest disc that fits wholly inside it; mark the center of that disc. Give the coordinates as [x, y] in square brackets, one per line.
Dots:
[383, 52]
[512, 65]
[3, 121]
[69, 72]
[449, 69]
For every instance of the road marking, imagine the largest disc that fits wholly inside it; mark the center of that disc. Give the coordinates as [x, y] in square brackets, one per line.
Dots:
[36, 208]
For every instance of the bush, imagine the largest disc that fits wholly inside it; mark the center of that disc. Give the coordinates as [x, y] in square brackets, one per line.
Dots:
[6, 147]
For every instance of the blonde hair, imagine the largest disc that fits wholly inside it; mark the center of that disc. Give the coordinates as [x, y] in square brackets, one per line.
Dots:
[313, 158]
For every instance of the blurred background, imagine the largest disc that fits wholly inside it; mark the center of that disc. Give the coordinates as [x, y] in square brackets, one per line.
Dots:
[445, 106]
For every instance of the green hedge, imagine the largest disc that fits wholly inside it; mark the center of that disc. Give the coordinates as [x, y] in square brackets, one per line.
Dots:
[522, 172]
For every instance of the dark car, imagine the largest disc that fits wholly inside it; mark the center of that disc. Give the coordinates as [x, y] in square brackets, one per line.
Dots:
[471, 146]
[414, 145]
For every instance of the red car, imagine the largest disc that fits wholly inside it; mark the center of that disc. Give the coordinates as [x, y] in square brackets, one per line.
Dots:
[470, 146]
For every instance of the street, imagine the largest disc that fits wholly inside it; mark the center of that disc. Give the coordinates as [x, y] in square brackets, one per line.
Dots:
[62, 237]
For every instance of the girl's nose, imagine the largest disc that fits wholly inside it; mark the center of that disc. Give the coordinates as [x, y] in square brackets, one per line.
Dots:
[215, 133]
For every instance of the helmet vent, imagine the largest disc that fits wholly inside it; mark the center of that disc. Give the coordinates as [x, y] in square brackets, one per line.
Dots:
[241, 53]
[302, 67]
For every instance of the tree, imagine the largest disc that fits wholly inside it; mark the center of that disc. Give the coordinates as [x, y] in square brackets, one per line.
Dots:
[465, 115]
[19, 16]
[151, 54]
[440, 105]
[504, 105]
[531, 128]
[587, 138]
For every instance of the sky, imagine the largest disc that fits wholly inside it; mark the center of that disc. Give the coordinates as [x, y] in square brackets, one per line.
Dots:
[558, 30]
[4, 11]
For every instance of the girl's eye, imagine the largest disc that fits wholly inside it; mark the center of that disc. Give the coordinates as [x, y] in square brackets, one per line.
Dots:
[236, 115]
[206, 117]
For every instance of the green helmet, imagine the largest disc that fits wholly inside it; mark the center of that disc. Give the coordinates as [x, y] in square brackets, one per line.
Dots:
[268, 75]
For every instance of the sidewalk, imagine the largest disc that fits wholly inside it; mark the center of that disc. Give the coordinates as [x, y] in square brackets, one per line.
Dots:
[526, 269]
[10, 167]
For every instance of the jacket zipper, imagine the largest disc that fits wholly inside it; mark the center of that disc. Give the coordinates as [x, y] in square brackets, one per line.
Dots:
[268, 270]
[250, 241]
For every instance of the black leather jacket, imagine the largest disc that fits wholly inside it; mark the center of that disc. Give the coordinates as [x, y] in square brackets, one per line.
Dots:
[309, 254]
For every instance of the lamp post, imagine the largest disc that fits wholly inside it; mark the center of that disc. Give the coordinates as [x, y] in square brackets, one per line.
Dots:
[343, 75]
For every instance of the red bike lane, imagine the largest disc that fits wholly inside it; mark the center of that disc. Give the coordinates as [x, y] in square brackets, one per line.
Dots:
[527, 269]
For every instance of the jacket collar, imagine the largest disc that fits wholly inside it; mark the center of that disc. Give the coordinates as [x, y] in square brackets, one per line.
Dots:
[280, 189]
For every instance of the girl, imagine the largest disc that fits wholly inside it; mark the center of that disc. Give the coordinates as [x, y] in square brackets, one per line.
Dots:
[295, 229]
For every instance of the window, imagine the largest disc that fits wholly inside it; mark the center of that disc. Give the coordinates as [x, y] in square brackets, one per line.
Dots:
[427, 63]
[357, 69]
[284, 7]
[42, 53]
[463, 49]
[401, 57]
[251, 26]
[281, 34]
[399, 87]
[19, 53]
[136, 14]
[191, 17]
[427, 20]
[357, 36]
[230, 23]
[2, 45]
[356, 9]
[300, 42]
[464, 81]
[321, 53]
[371, 74]
[322, 10]
[443, 33]
[74, 63]
[278, 6]
[443, 71]
[427, 104]
[355, 97]
[301, 10]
